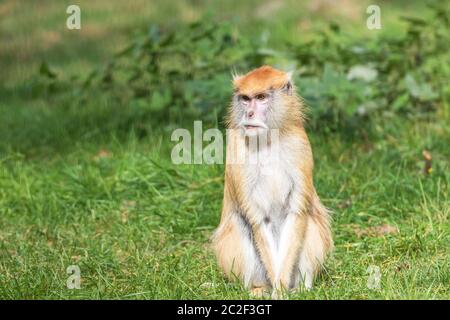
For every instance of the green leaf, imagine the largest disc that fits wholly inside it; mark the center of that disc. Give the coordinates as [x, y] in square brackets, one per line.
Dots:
[400, 102]
[45, 70]
[421, 91]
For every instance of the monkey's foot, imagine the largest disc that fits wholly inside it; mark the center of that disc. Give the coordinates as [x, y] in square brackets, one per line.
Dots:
[259, 292]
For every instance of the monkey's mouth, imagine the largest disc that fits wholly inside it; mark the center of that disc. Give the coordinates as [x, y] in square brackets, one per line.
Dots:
[250, 127]
[253, 125]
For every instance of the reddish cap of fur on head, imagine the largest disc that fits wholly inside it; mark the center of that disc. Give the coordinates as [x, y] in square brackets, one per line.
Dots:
[259, 80]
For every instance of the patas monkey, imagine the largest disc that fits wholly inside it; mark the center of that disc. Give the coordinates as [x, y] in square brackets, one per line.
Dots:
[274, 232]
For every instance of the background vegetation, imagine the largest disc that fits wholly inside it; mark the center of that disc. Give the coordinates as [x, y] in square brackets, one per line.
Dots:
[86, 118]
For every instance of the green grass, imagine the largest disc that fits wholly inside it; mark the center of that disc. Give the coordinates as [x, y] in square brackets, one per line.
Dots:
[93, 185]
[138, 226]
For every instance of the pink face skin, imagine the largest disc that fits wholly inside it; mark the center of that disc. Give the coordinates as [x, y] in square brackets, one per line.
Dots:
[255, 113]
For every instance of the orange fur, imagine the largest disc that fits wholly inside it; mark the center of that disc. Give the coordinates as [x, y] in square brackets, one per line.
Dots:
[259, 80]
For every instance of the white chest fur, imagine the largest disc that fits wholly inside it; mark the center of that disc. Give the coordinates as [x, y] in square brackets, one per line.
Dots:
[272, 182]
[273, 186]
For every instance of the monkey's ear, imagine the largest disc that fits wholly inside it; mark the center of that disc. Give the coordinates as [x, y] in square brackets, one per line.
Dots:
[289, 75]
[288, 86]
[236, 77]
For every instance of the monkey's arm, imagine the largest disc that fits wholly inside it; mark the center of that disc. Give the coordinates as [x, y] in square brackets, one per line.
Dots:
[262, 247]
[294, 235]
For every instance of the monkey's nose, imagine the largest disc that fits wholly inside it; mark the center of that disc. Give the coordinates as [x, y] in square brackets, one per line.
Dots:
[251, 114]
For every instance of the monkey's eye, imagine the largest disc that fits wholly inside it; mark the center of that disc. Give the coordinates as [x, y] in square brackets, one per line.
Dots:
[261, 96]
[245, 98]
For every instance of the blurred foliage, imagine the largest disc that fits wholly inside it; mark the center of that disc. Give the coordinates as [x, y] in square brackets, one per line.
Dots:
[173, 74]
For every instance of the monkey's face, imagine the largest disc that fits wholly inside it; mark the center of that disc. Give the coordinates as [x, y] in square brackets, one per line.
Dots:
[256, 114]
[253, 112]
[260, 100]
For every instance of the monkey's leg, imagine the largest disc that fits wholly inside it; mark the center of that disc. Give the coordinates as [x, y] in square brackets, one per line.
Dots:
[262, 248]
[227, 244]
[291, 241]
[236, 254]
[317, 243]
